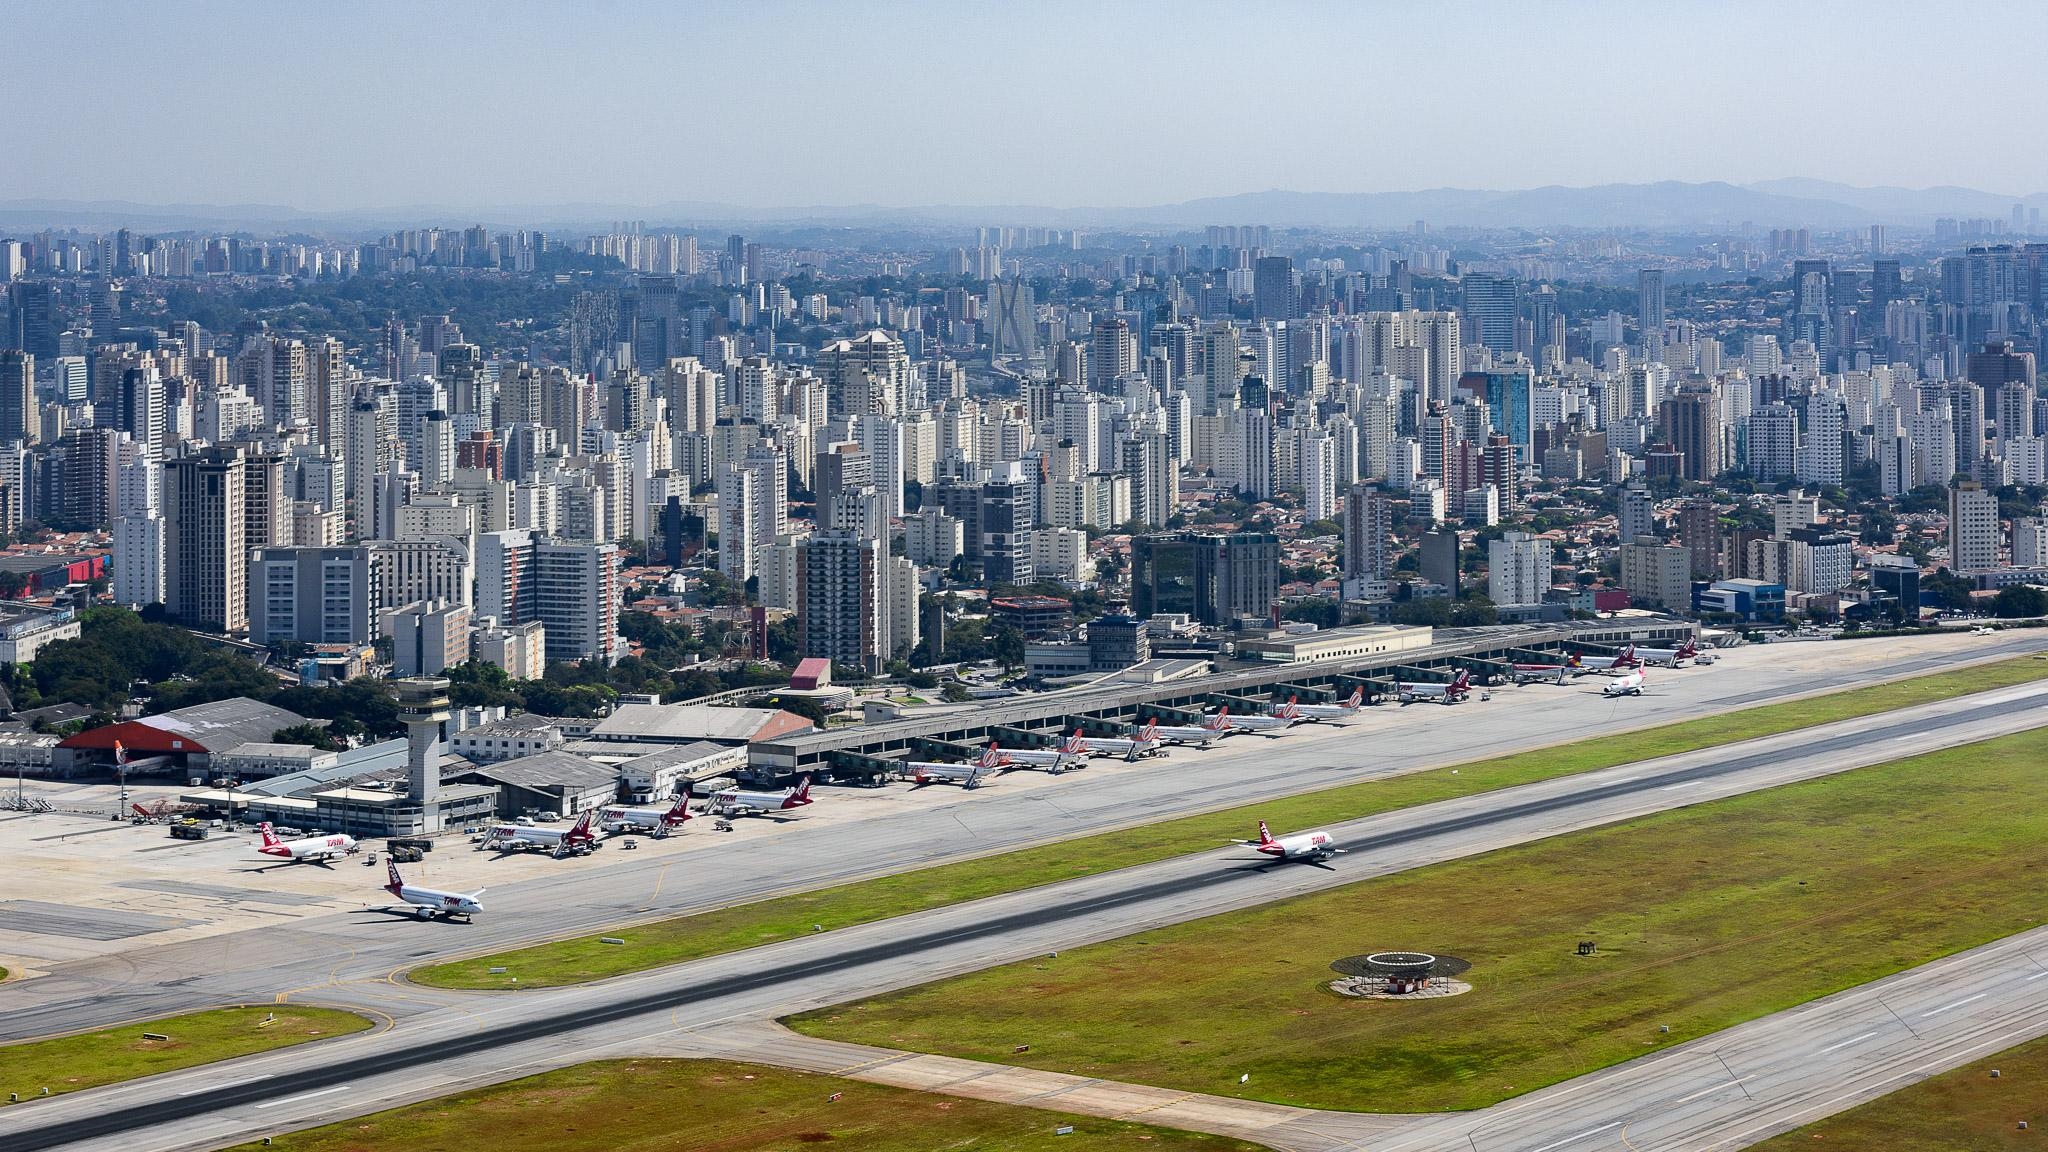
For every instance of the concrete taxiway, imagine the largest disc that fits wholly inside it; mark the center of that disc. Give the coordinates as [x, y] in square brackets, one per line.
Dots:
[111, 939]
[462, 1040]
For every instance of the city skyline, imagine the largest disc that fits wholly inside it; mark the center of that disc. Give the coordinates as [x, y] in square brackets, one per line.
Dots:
[1064, 106]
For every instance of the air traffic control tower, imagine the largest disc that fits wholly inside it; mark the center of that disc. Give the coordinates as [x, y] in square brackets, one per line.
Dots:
[423, 704]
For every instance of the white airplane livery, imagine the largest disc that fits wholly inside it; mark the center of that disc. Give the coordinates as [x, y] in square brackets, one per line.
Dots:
[968, 775]
[740, 802]
[1213, 728]
[1667, 657]
[1072, 752]
[1337, 711]
[559, 842]
[1276, 722]
[1306, 846]
[1145, 743]
[1620, 661]
[428, 903]
[312, 848]
[1459, 688]
[656, 822]
[1629, 683]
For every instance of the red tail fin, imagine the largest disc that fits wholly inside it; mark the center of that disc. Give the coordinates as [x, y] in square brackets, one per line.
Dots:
[680, 810]
[1149, 732]
[1215, 723]
[1265, 834]
[269, 838]
[801, 794]
[396, 883]
[581, 829]
[1075, 744]
[1357, 697]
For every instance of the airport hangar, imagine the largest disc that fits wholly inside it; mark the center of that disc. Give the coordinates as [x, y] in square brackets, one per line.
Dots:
[861, 753]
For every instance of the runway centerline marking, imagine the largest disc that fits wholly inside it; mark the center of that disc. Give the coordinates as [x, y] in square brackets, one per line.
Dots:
[229, 1084]
[1954, 1004]
[2034, 977]
[307, 1096]
[1712, 1090]
[1580, 1136]
[1845, 1043]
[1685, 784]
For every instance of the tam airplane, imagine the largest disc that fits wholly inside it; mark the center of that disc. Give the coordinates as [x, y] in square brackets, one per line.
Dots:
[558, 842]
[967, 775]
[1310, 847]
[1145, 743]
[739, 802]
[1459, 688]
[1213, 728]
[310, 848]
[1348, 706]
[1276, 722]
[1073, 751]
[1620, 661]
[656, 822]
[1667, 657]
[430, 902]
[1555, 673]
[1629, 683]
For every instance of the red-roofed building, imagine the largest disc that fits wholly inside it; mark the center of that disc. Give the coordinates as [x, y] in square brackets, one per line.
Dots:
[811, 674]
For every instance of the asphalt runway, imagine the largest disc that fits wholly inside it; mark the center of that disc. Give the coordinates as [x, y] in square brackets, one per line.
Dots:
[482, 1038]
[346, 958]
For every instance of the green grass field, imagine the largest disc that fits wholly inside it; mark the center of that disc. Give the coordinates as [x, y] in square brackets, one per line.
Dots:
[90, 1059]
[713, 1106]
[1705, 917]
[1960, 1111]
[682, 938]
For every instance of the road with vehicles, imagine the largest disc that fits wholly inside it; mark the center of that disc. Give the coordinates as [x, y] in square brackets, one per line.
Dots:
[470, 1039]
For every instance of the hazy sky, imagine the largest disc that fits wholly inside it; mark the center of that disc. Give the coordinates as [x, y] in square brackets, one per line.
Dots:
[359, 104]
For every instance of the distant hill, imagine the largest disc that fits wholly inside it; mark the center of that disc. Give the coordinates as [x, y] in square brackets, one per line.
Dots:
[1668, 204]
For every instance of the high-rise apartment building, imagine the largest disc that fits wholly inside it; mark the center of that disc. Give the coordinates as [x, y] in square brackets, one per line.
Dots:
[206, 559]
[1518, 569]
[1973, 528]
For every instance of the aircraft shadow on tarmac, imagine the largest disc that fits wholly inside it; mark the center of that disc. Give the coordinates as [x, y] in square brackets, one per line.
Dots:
[1269, 865]
[397, 912]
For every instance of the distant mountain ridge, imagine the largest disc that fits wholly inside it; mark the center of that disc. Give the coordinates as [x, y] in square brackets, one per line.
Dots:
[1668, 204]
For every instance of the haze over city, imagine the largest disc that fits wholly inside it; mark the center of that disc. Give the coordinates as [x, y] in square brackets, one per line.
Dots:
[1053, 577]
[1062, 105]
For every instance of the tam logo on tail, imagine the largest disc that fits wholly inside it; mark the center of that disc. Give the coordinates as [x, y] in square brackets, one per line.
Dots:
[801, 795]
[1265, 834]
[270, 839]
[396, 883]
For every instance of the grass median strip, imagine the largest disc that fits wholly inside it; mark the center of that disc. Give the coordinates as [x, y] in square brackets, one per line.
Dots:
[1704, 917]
[716, 1106]
[1961, 1109]
[110, 1055]
[692, 937]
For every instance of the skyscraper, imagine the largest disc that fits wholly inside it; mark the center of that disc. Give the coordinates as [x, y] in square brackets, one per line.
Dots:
[1972, 528]
[18, 420]
[1650, 301]
[1274, 294]
[206, 561]
[1368, 534]
[1492, 304]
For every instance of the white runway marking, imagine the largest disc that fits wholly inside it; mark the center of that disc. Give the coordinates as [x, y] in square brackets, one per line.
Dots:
[306, 1096]
[1686, 784]
[1580, 1136]
[1954, 1004]
[1846, 1043]
[219, 1087]
[1711, 1091]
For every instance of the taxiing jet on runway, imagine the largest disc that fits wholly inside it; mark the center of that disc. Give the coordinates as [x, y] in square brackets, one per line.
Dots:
[1308, 846]
[1072, 752]
[1145, 743]
[967, 775]
[739, 802]
[1213, 728]
[1338, 711]
[1275, 723]
[656, 822]
[1459, 688]
[558, 842]
[1627, 684]
[429, 902]
[1667, 657]
[1620, 661]
[310, 848]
